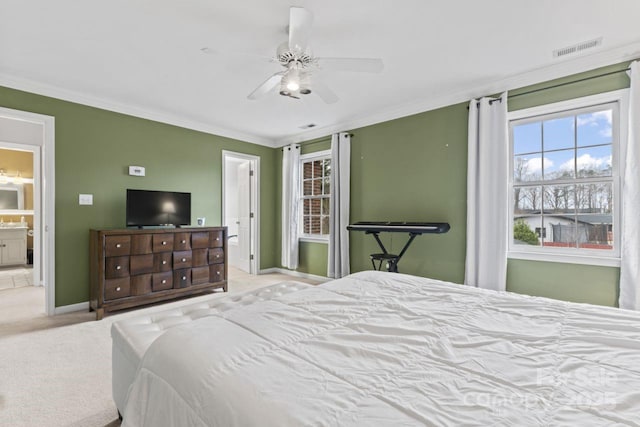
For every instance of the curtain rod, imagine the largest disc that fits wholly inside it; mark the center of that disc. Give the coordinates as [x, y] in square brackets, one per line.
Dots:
[328, 139]
[584, 79]
[559, 85]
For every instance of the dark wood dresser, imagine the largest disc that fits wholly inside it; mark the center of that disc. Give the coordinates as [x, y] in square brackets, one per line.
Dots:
[133, 267]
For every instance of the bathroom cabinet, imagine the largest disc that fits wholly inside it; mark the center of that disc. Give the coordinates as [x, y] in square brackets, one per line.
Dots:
[13, 246]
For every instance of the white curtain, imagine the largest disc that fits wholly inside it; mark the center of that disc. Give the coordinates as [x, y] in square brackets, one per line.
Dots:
[630, 249]
[290, 205]
[338, 265]
[487, 186]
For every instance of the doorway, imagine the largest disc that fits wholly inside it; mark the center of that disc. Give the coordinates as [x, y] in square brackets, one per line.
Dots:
[28, 133]
[240, 209]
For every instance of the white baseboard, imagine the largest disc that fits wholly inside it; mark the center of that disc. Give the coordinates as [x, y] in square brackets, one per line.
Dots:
[294, 273]
[71, 308]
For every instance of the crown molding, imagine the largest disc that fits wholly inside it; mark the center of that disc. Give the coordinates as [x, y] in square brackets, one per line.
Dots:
[562, 69]
[477, 89]
[131, 110]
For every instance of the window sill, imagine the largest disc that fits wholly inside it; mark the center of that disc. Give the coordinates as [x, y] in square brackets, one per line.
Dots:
[565, 258]
[314, 239]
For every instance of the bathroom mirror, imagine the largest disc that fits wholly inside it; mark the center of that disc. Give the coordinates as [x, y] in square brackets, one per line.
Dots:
[11, 197]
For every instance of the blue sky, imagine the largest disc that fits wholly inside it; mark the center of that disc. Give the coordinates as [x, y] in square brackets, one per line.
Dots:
[558, 143]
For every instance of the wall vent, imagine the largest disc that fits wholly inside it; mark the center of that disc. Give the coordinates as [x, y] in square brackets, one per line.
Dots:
[569, 50]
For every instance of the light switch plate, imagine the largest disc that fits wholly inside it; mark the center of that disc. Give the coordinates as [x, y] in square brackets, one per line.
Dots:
[85, 199]
[136, 170]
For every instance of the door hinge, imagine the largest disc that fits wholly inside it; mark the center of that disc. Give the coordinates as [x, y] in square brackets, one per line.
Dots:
[250, 173]
[251, 215]
[251, 257]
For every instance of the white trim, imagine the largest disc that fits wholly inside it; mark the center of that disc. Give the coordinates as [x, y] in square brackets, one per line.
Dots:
[295, 274]
[544, 74]
[320, 154]
[556, 70]
[81, 306]
[568, 259]
[43, 201]
[132, 110]
[570, 255]
[313, 239]
[255, 203]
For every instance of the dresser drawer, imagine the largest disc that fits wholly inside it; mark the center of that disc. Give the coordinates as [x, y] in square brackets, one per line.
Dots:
[200, 240]
[141, 285]
[141, 264]
[141, 244]
[216, 273]
[216, 255]
[162, 243]
[115, 267]
[181, 278]
[216, 239]
[162, 281]
[182, 242]
[199, 275]
[117, 245]
[116, 288]
[163, 262]
[182, 259]
[200, 257]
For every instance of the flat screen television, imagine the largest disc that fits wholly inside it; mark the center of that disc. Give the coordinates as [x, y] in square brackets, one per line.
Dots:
[158, 208]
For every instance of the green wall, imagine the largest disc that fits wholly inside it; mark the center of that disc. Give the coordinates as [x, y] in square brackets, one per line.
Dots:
[414, 169]
[93, 149]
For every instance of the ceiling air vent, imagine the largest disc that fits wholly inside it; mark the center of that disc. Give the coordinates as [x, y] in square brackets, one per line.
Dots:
[577, 48]
[309, 126]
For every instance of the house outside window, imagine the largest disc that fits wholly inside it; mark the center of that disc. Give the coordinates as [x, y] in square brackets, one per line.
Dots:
[564, 183]
[315, 170]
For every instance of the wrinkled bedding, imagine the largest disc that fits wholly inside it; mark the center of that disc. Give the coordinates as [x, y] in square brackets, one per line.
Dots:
[379, 348]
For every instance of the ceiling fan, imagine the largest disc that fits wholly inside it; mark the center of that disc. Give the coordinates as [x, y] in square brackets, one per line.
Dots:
[300, 74]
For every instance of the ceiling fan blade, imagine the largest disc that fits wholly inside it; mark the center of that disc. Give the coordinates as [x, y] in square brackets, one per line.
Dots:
[266, 86]
[363, 65]
[323, 91]
[300, 20]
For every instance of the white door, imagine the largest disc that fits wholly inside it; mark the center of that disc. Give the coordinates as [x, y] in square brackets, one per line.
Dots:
[244, 216]
[241, 209]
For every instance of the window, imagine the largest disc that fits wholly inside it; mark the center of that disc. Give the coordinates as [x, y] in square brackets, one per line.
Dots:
[564, 181]
[316, 190]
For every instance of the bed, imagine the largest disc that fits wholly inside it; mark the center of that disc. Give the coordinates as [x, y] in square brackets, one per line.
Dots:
[379, 348]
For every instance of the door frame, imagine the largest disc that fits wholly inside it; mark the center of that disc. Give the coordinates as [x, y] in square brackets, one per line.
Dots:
[254, 203]
[43, 200]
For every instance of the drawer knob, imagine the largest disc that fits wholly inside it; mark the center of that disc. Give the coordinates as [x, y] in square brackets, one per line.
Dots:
[164, 281]
[217, 239]
[184, 260]
[118, 267]
[118, 289]
[184, 241]
[217, 255]
[164, 262]
[184, 277]
[164, 243]
[118, 245]
[218, 273]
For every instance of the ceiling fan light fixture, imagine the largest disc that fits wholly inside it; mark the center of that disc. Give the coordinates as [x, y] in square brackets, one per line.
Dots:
[292, 79]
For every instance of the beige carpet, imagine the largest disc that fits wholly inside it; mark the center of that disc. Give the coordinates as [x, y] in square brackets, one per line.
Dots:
[56, 371]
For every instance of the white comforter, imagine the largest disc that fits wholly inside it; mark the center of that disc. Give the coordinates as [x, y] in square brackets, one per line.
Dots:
[377, 349]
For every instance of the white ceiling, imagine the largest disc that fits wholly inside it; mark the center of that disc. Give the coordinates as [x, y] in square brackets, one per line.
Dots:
[143, 57]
